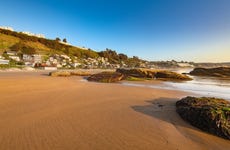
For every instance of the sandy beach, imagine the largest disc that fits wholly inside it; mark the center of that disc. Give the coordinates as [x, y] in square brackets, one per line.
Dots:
[38, 112]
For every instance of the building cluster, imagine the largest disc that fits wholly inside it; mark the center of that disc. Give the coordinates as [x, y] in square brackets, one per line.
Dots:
[7, 28]
[33, 34]
[55, 61]
[24, 32]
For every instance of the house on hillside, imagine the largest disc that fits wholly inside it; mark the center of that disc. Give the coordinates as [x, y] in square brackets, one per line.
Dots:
[11, 53]
[7, 28]
[27, 58]
[37, 58]
[16, 58]
[31, 60]
[4, 62]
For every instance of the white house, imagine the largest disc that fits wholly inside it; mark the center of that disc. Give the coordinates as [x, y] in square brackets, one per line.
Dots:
[32, 58]
[27, 58]
[7, 28]
[16, 58]
[33, 34]
[11, 53]
[4, 62]
[65, 56]
[37, 58]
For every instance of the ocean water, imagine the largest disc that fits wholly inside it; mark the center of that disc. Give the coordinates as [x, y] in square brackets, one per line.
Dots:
[203, 86]
[210, 87]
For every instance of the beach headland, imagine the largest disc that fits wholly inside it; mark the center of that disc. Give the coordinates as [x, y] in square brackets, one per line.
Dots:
[38, 112]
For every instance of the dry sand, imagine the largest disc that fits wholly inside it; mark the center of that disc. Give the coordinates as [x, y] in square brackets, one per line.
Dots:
[38, 112]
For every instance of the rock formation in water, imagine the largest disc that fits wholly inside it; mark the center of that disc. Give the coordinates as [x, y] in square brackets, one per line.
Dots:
[153, 74]
[214, 72]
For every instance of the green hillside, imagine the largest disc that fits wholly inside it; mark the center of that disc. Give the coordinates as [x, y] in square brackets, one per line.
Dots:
[25, 44]
[7, 41]
[16, 41]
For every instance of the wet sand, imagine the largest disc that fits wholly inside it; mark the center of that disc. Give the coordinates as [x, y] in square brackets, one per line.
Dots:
[38, 112]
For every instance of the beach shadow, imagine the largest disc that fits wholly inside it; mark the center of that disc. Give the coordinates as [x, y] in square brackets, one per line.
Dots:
[165, 110]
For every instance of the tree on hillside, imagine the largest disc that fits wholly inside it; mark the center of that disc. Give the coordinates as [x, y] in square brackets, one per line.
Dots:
[123, 57]
[111, 55]
[23, 48]
[64, 40]
[28, 50]
[57, 39]
[17, 47]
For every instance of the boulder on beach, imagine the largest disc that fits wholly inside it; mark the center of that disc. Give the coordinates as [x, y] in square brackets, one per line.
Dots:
[138, 73]
[60, 74]
[128, 74]
[214, 72]
[106, 77]
[80, 73]
[208, 114]
[169, 75]
[153, 74]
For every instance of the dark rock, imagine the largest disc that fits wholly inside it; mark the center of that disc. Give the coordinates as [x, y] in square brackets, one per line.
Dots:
[80, 73]
[106, 77]
[209, 114]
[60, 74]
[153, 74]
[214, 72]
[169, 75]
[138, 73]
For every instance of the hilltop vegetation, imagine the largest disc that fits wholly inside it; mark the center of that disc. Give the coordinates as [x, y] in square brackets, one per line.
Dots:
[26, 44]
[29, 44]
[11, 40]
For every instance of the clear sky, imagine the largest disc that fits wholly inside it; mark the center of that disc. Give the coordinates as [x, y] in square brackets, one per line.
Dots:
[191, 30]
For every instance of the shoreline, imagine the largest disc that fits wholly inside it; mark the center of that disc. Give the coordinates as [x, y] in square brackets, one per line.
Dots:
[66, 113]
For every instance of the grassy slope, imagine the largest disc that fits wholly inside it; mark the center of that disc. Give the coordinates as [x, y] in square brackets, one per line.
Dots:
[6, 41]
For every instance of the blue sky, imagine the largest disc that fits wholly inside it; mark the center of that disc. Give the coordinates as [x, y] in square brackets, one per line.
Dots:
[192, 30]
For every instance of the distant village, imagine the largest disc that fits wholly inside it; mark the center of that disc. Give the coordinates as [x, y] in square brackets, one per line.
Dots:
[54, 61]
[13, 58]
[62, 61]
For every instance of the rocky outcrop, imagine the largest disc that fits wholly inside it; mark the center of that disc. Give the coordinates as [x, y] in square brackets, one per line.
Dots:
[209, 114]
[138, 73]
[81, 73]
[168, 75]
[106, 77]
[60, 74]
[153, 74]
[129, 74]
[223, 72]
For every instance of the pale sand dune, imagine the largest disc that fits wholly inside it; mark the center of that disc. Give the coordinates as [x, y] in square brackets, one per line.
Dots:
[38, 112]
